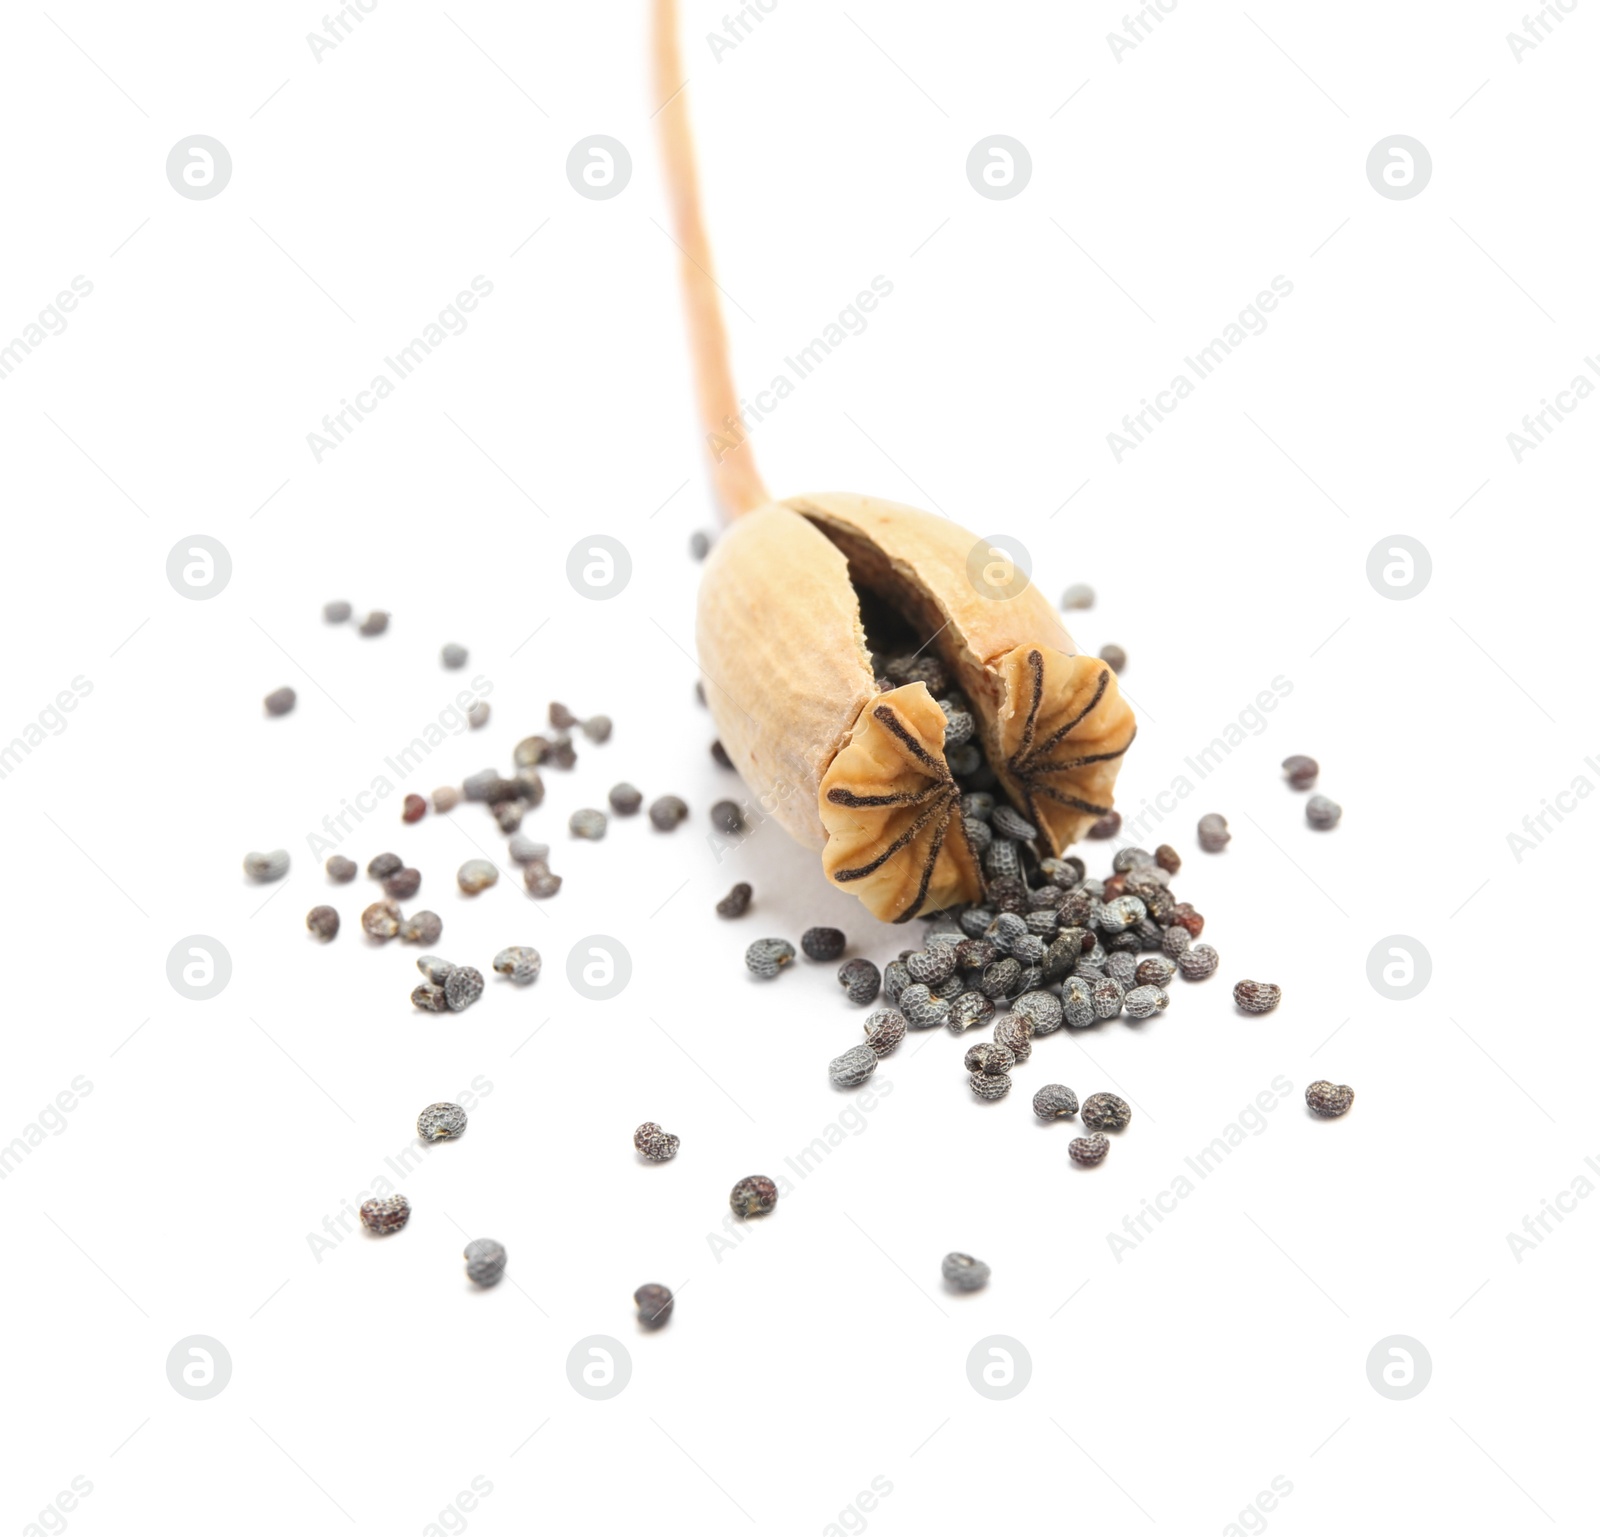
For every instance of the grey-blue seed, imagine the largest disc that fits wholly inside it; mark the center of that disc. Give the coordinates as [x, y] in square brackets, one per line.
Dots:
[767, 957]
[1123, 967]
[453, 655]
[1199, 963]
[967, 1010]
[860, 980]
[1006, 930]
[975, 921]
[441, 1122]
[990, 1085]
[519, 962]
[922, 1010]
[463, 987]
[853, 1067]
[587, 823]
[931, 966]
[1029, 949]
[977, 803]
[958, 726]
[979, 834]
[1142, 1002]
[1001, 858]
[337, 612]
[1008, 824]
[1107, 996]
[963, 1272]
[429, 998]
[1323, 813]
[885, 1029]
[435, 968]
[1175, 941]
[267, 867]
[1015, 1034]
[1055, 1102]
[486, 1260]
[896, 979]
[1077, 1003]
[963, 760]
[1043, 1011]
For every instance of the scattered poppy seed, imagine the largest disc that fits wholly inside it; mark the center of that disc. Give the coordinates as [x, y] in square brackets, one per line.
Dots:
[463, 987]
[382, 919]
[375, 623]
[990, 1085]
[737, 902]
[1329, 1099]
[625, 799]
[476, 875]
[767, 957]
[1088, 1151]
[280, 701]
[422, 928]
[587, 823]
[885, 1029]
[508, 815]
[413, 809]
[435, 968]
[1106, 1112]
[1114, 657]
[429, 997]
[1078, 595]
[381, 866]
[452, 655]
[726, 817]
[666, 812]
[267, 867]
[1168, 858]
[597, 728]
[486, 1261]
[1154, 971]
[441, 1122]
[561, 717]
[1175, 941]
[1055, 1102]
[524, 851]
[1300, 771]
[403, 884]
[654, 1304]
[823, 944]
[989, 1057]
[655, 1144]
[860, 980]
[1257, 997]
[699, 544]
[337, 612]
[323, 922]
[963, 1272]
[753, 1196]
[1015, 1034]
[385, 1213]
[540, 882]
[1323, 813]
[340, 869]
[720, 753]
[1107, 827]
[1142, 1002]
[478, 715]
[1198, 963]
[853, 1067]
[519, 962]
[1213, 832]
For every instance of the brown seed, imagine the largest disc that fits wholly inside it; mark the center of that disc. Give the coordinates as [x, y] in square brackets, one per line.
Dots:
[403, 884]
[1114, 657]
[430, 998]
[375, 623]
[280, 701]
[1088, 1151]
[323, 922]
[1169, 859]
[753, 1196]
[654, 1304]
[385, 1214]
[1107, 827]
[1257, 997]
[413, 809]
[1300, 771]
[340, 869]
[1329, 1099]
[562, 718]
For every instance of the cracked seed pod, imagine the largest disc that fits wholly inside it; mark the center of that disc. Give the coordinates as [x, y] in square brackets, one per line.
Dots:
[861, 775]
[794, 594]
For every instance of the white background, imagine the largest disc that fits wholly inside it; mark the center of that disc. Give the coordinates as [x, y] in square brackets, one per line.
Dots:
[369, 1386]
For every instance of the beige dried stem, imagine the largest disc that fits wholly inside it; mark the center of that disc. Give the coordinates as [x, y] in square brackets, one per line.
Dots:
[846, 763]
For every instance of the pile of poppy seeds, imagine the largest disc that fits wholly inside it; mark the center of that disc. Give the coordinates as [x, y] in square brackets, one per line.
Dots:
[1048, 946]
